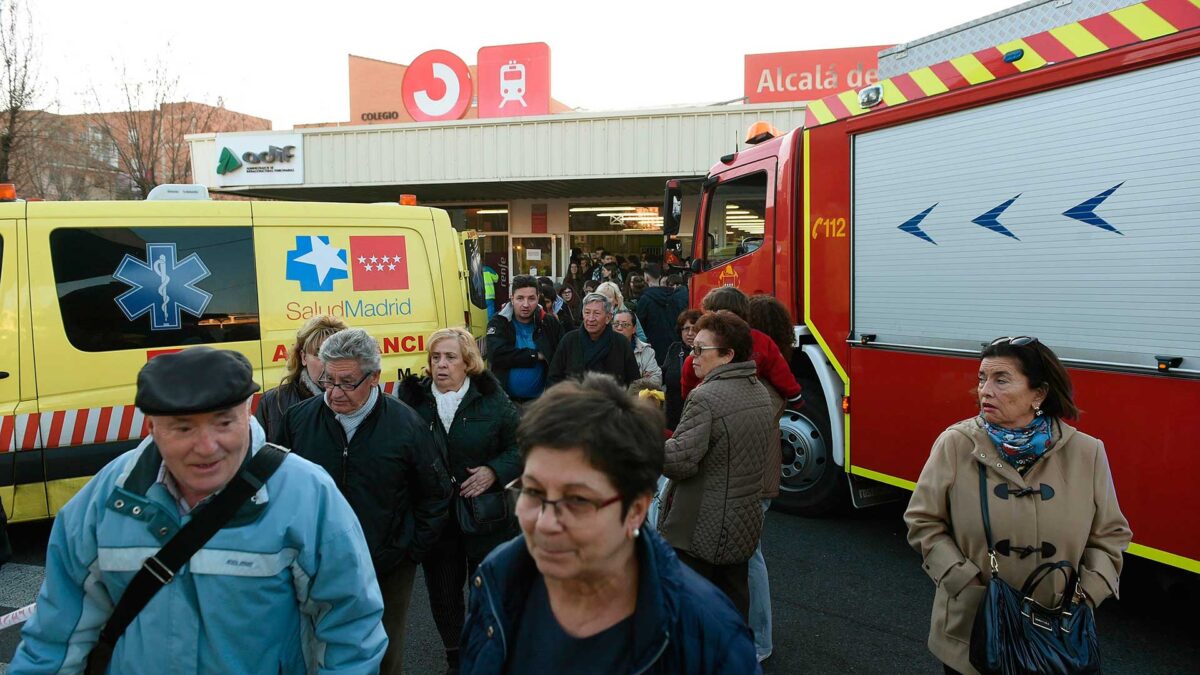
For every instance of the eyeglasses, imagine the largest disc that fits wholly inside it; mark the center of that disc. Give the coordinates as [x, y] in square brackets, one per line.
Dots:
[698, 350]
[568, 509]
[1016, 341]
[330, 384]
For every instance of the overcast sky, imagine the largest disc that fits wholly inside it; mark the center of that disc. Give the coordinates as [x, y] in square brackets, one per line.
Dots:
[286, 61]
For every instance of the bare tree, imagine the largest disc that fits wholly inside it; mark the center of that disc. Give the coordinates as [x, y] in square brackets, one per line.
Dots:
[19, 82]
[146, 134]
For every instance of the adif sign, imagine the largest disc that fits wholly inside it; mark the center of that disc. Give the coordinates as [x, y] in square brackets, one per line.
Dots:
[809, 75]
[259, 159]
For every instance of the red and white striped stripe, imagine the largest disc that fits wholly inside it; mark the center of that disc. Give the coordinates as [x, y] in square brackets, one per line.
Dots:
[82, 426]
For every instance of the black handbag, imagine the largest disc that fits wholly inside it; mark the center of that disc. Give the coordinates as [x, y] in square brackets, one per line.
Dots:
[1013, 633]
[159, 569]
[488, 513]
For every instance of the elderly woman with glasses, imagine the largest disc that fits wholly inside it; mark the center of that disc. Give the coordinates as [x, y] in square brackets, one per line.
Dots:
[1049, 489]
[711, 513]
[476, 424]
[625, 322]
[594, 347]
[588, 588]
[384, 460]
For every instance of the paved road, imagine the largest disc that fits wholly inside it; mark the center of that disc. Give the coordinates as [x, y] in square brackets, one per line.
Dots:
[849, 597]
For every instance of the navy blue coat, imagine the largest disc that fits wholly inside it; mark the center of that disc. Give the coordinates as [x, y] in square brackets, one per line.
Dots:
[682, 624]
[658, 308]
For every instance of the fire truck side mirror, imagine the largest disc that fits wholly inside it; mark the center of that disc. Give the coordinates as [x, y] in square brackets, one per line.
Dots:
[672, 208]
[697, 265]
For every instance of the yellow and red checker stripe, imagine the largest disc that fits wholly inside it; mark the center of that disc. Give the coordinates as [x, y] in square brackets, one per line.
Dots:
[85, 426]
[1118, 28]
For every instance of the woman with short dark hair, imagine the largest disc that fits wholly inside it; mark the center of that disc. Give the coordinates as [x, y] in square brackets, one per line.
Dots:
[588, 588]
[773, 369]
[685, 328]
[1050, 492]
[711, 514]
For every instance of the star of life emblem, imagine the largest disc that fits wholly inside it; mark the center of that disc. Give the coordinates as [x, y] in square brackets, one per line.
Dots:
[162, 286]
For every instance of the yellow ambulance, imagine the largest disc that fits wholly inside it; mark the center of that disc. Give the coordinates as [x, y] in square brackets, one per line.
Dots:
[89, 291]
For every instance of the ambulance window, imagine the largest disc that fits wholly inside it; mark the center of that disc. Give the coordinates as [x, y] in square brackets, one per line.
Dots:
[147, 287]
[736, 218]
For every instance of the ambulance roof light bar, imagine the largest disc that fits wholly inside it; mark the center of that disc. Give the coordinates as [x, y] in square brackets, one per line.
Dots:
[408, 200]
[8, 192]
[761, 131]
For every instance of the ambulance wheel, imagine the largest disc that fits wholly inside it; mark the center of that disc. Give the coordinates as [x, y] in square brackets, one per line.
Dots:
[812, 484]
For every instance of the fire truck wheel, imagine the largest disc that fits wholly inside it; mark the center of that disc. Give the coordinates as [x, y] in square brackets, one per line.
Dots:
[812, 484]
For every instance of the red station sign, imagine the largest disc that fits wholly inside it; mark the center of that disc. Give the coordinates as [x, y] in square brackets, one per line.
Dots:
[437, 87]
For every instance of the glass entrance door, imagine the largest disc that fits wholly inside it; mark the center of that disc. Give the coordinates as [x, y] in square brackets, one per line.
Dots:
[533, 255]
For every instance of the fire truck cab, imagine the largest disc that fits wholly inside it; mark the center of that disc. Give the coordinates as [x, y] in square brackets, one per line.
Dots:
[1046, 186]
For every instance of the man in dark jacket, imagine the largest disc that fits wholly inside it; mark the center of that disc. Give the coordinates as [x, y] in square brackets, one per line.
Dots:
[521, 341]
[658, 308]
[383, 459]
[595, 347]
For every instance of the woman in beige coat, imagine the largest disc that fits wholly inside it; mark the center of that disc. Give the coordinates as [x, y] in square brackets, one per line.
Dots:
[1050, 496]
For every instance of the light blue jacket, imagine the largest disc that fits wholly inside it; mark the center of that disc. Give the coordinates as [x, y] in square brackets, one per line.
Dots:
[287, 586]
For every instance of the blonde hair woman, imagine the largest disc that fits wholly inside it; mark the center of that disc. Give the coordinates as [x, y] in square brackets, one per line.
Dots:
[475, 422]
[300, 381]
[613, 292]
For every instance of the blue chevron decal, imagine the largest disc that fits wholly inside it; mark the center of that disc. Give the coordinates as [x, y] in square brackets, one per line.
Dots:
[913, 226]
[991, 221]
[1086, 212]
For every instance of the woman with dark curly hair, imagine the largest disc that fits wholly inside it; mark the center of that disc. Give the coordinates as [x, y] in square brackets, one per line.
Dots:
[770, 316]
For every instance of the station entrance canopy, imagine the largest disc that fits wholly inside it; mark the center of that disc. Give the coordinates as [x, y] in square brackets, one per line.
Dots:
[553, 156]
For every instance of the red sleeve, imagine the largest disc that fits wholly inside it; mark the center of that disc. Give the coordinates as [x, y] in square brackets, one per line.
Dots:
[773, 368]
[687, 380]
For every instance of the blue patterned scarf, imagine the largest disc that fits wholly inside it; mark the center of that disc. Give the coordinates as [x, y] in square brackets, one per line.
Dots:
[1021, 447]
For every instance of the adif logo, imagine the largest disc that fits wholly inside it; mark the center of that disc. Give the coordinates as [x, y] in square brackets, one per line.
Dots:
[228, 162]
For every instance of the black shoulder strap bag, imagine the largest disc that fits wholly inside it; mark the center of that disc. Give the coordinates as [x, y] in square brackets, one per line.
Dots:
[158, 570]
[1014, 634]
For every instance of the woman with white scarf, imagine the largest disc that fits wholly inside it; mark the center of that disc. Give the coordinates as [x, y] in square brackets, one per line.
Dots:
[476, 424]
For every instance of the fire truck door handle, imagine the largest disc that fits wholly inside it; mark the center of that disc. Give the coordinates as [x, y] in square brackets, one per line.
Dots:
[3, 374]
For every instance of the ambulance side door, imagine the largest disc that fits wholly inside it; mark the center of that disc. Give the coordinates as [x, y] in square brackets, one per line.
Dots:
[114, 285]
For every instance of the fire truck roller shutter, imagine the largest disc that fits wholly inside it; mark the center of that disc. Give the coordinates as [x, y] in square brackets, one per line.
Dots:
[1071, 214]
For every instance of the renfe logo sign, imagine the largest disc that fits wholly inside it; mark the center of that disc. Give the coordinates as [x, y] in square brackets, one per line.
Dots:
[437, 86]
[809, 75]
[514, 80]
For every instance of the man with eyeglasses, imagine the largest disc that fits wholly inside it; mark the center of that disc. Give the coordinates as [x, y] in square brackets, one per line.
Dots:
[384, 460]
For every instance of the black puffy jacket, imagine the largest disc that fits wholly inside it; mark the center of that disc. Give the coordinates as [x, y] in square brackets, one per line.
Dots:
[391, 472]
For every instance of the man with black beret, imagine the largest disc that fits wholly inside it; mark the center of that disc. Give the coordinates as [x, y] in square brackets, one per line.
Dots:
[286, 585]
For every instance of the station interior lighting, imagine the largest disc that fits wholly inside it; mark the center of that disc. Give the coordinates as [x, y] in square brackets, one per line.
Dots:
[491, 212]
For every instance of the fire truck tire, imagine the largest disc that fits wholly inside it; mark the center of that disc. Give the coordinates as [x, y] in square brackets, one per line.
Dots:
[812, 484]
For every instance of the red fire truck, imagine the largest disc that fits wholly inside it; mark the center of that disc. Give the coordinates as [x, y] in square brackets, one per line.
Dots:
[1047, 186]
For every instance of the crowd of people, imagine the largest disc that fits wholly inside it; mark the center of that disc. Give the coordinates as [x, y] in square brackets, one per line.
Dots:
[649, 428]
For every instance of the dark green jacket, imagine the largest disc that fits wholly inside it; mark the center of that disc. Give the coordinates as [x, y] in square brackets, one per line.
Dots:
[391, 472]
[483, 433]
